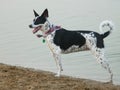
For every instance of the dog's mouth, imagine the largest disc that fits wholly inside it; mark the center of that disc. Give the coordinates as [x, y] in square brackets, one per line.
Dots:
[36, 29]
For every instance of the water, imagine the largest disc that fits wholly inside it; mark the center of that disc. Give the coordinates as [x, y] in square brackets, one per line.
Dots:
[18, 46]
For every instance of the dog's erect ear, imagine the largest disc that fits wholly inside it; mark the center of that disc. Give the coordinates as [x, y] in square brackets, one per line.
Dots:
[45, 13]
[35, 13]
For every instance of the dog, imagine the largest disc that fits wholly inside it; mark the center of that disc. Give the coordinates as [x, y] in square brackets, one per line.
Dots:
[62, 41]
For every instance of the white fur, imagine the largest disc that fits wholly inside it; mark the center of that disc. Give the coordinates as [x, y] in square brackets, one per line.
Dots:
[106, 23]
[75, 48]
[97, 52]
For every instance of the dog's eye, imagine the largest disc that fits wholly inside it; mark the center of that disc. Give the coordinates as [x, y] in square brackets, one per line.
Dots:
[33, 20]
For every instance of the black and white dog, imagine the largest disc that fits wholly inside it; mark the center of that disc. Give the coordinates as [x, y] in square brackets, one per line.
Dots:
[62, 41]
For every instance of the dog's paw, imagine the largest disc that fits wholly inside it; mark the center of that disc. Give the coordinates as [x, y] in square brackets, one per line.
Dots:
[57, 75]
[111, 81]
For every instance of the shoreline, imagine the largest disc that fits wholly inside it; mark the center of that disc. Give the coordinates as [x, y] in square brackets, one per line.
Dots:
[20, 78]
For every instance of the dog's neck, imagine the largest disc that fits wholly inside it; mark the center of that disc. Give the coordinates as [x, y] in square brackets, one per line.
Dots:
[48, 28]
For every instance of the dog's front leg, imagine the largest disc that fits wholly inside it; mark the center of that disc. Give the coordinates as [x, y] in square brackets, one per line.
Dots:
[56, 54]
[58, 63]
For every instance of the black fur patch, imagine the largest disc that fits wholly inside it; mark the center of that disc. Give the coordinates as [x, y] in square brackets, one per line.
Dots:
[66, 39]
[40, 20]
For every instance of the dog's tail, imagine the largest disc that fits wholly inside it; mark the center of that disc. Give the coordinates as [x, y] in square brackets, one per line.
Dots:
[109, 24]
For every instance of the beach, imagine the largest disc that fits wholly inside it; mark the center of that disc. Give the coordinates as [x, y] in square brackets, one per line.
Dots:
[19, 78]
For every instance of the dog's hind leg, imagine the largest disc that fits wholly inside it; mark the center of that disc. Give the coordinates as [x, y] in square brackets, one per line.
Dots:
[91, 42]
[99, 54]
[107, 67]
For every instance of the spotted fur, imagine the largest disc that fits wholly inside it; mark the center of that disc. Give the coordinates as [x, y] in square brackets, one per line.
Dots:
[64, 41]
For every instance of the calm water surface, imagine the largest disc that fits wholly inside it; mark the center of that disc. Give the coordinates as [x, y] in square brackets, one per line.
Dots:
[18, 46]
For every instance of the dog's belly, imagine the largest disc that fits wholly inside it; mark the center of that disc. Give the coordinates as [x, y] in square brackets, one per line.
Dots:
[75, 48]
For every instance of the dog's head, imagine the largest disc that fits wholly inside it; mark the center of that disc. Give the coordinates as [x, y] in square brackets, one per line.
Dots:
[40, 22]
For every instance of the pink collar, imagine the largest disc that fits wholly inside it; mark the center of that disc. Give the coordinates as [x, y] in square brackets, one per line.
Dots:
[53, 28]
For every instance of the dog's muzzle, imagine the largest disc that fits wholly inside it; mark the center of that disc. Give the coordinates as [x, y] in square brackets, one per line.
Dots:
[36, 29]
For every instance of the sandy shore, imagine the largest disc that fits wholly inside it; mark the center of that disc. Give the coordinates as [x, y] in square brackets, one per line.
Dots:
[19, 78]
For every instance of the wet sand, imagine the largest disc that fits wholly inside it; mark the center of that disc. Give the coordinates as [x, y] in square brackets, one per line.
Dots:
[20, 78]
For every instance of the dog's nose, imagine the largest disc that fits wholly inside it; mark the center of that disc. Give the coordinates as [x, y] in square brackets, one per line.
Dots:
[30, 26]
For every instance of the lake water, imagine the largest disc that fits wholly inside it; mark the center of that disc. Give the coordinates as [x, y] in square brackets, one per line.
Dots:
[18, 46]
